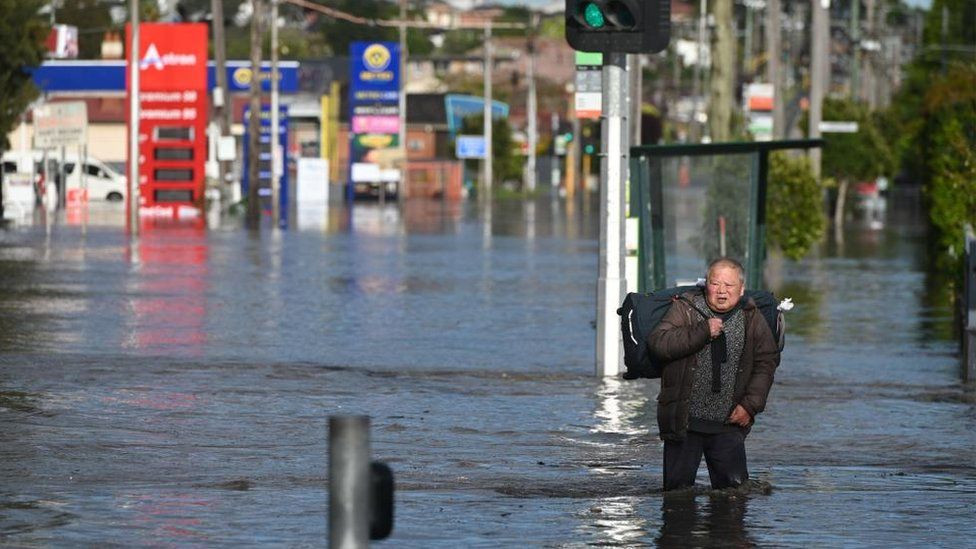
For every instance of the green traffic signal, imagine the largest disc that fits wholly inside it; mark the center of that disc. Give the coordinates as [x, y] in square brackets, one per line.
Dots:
[593, 16]
[618, 26]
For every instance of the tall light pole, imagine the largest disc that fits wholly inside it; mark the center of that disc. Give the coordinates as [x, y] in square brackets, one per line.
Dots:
[220, 95]
[276, 152]
[773, 73]
[134, 118]
[487, 113]
[533, 130]
[696, 126]
[819, 74]
[401, 191]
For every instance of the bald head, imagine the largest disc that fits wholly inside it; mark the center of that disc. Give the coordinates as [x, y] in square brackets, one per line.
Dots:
[725, 284]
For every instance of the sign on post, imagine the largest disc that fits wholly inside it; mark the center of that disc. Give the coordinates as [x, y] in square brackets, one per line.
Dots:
[470, 146]
[838, 127]
[589, 85]
[60, 125]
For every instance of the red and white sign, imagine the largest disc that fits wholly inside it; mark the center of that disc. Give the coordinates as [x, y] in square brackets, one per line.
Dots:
[62, 42]
[172, 56]
[173, 111]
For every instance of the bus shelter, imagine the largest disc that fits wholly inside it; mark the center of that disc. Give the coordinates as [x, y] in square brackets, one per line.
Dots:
[695, 203]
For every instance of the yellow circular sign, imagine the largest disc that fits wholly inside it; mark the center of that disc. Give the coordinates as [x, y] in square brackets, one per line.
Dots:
[242, 76]
[376, 58]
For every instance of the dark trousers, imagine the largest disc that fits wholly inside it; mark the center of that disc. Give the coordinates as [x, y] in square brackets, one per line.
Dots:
[725, 455]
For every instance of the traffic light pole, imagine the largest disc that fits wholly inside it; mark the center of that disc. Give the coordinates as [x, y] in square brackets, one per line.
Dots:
[615, 144]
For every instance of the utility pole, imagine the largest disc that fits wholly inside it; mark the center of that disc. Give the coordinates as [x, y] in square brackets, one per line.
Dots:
[855, 32]
[533, 130]
[696, 91]
[612, 282]
[487, 125]
[133, 190]
[819, 74]
[722, 85]
[401, 190]
[869, 85]
[773, 73]
[221, 96]
[634, 68]
[254, 122]
[276, 152]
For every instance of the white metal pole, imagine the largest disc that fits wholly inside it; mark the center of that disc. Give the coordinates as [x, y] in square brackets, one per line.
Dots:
[612, 282]
[349, 482]
[697, 127]
[277, 158]
[402, 111]
[134, 119]
[532, 130]
[819, 74]
[487, 111]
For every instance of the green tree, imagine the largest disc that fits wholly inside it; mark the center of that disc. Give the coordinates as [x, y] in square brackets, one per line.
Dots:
[340, 34]
[856, 156]
[932, 123]
[461, 41]
[794, 206]
[947, 144]
[22, 33]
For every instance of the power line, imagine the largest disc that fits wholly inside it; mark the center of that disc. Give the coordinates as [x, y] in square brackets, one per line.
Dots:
[332, 12]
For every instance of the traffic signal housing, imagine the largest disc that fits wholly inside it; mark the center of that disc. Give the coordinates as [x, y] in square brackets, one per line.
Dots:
[618, 26]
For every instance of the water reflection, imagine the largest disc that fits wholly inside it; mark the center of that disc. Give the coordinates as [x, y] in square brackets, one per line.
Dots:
[719, 521]
[620, 420]
[168, 299]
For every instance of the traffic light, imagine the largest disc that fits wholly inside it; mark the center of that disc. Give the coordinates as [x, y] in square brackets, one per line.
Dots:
[618, 26]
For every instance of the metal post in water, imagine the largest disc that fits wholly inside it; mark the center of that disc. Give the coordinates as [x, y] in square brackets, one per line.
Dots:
[133, 170]
[969, 316]
[612, 281]
[487, 167]
[349, 482]
[277, 155]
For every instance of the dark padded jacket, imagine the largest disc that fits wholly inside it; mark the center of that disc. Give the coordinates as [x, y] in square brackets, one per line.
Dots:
[675, 342]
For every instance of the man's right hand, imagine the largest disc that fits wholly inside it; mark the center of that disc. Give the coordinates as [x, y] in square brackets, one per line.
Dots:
[714, 327]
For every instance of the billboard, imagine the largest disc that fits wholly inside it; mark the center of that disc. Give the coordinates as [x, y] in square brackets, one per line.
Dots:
[173, 111]
[374, 95]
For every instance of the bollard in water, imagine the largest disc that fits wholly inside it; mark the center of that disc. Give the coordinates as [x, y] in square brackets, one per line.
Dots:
[381, 513]
[349, 482]
[360, 491]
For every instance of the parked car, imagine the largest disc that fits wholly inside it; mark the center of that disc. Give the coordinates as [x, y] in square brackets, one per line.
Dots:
[102, 182]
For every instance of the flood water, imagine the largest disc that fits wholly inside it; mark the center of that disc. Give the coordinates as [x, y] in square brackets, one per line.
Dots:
[175, 390]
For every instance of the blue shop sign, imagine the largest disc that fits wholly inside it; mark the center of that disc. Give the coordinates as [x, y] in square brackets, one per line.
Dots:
[374, 72]
[93, 76]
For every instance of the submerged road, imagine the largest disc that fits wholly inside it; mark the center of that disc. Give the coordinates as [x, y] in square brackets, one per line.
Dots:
[175, 391]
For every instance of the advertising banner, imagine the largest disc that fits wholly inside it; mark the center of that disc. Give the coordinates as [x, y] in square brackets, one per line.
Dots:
[173, 106]
[374, 92]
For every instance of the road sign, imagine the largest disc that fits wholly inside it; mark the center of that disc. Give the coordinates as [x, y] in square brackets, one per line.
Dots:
[589, 85]
[838, 127]
[60, 125]
[470, 146]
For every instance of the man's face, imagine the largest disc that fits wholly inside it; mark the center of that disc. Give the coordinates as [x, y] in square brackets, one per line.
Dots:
[724, 288]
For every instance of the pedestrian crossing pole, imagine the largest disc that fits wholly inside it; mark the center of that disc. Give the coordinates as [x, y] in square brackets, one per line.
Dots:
[615, 145]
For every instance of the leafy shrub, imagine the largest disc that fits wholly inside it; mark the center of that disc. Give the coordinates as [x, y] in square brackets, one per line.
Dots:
[794, 205]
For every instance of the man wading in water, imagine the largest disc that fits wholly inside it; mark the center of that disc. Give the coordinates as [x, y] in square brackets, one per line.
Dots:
[719, 357]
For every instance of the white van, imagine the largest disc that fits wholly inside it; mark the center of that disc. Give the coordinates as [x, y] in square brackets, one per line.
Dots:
[102, 182]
